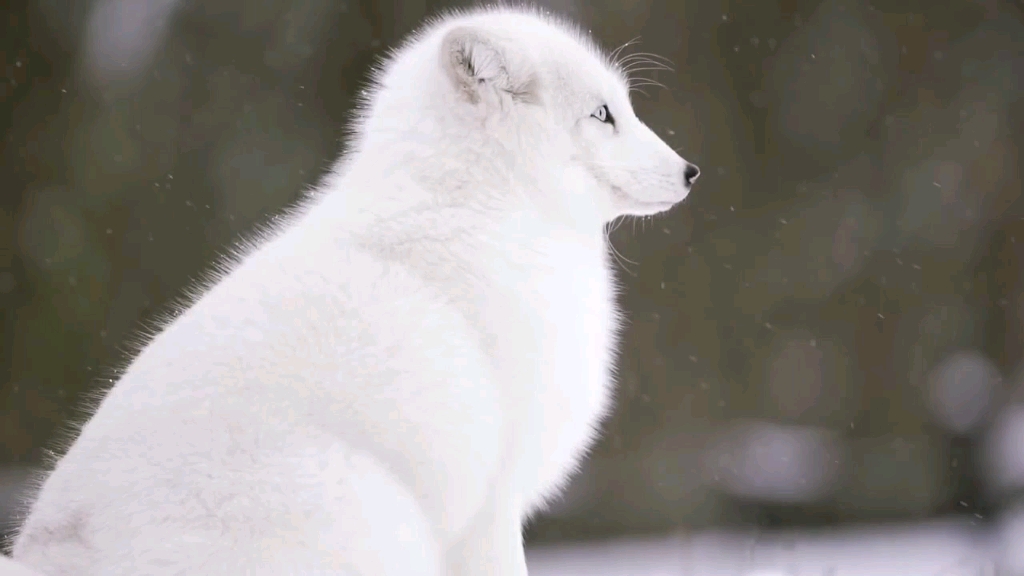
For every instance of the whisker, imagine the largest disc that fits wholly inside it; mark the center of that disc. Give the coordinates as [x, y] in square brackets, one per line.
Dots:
[615, 53]
[644, 62]
[633, 88]
[646, 66]
[649, 55]
[647, 82]
[638, 57]
[616, 255]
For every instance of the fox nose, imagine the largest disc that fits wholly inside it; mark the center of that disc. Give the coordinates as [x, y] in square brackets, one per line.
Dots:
[690, 174]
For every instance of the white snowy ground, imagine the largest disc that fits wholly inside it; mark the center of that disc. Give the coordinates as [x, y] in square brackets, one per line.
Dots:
[937, 549]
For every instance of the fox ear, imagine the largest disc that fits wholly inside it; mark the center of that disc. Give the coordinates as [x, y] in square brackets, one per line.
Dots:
[482, 67]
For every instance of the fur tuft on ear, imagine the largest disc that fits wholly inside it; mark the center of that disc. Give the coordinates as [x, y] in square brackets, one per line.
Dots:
[479, 64]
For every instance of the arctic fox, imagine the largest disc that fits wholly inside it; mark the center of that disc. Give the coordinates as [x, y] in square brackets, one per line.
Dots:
[393, 379]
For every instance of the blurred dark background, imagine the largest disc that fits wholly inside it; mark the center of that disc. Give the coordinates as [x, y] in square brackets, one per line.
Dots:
[829, 331]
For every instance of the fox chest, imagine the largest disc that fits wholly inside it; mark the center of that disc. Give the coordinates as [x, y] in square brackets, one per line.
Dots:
[556, 361]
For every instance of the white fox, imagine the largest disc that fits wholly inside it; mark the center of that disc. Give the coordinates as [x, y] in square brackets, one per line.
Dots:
[414, 361]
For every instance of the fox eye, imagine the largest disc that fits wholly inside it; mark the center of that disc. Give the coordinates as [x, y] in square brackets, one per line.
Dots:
[603, 114]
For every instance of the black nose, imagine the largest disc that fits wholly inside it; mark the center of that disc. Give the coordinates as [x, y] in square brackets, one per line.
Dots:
[690, 174]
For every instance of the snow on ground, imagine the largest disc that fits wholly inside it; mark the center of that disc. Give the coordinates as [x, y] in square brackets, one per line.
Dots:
[937, 549]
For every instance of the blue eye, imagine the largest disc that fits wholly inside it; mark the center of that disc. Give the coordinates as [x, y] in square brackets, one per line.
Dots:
[603, 114]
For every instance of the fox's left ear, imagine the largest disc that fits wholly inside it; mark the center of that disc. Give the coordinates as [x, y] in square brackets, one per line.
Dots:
[482, 66]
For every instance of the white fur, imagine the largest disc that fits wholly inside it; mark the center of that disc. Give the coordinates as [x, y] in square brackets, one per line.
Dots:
[416, 360]
[9, 567]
